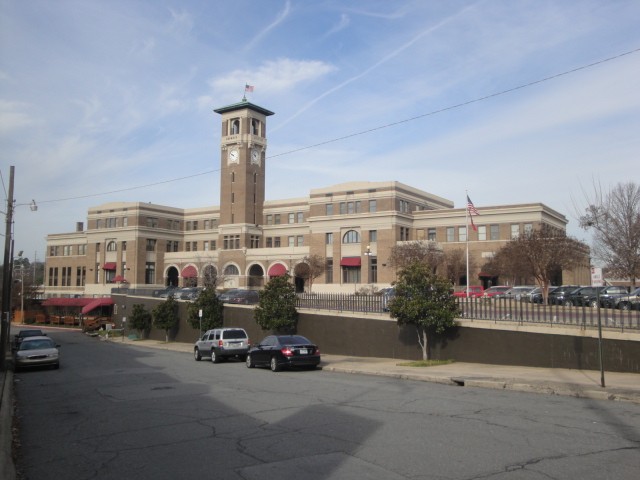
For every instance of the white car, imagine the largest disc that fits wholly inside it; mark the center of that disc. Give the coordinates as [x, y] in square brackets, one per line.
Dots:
[37, 351]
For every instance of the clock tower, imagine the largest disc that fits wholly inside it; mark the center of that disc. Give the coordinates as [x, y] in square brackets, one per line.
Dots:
[243, 147]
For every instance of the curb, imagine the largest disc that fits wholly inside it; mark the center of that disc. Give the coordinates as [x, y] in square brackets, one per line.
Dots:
[7, 467]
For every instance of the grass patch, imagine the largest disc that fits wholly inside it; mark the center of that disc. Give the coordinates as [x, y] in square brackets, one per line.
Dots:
[425, 363]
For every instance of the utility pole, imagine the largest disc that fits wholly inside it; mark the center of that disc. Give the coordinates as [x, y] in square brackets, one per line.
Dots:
[6, 277]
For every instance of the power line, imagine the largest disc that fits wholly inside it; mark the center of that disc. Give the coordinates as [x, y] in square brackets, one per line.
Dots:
[374, 129]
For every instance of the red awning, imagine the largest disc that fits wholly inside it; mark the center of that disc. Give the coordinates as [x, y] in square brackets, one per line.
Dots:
[350, 262]
[95, 303]
[66, 302]
[119, 279]
[189, 272]
[109, 266]
[277, 270]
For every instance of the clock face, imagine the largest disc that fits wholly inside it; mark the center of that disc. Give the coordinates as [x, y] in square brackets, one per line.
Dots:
[234, 156]
[255, 156]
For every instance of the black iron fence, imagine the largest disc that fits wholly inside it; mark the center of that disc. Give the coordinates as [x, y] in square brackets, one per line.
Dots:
[495, 309]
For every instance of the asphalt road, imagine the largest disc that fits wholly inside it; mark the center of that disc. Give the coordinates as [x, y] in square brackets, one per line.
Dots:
[126, 412]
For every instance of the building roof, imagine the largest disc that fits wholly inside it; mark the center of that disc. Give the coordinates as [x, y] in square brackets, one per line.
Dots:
[242, 105]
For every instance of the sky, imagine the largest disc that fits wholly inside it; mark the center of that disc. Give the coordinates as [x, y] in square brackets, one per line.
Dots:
[508, 101]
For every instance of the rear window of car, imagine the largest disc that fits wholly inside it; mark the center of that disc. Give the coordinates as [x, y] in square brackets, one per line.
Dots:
[293, 340]
[234, 334]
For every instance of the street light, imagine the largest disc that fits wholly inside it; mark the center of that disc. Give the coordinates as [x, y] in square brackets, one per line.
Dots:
[368, 254]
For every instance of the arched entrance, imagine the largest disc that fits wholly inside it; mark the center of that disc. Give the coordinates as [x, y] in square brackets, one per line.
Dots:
[300, 276]
[189, 276]
[172, 277]
[256, 276]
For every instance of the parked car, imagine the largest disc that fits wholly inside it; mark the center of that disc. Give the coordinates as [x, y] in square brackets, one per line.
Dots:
[37, 351]
[472, 291]
[592, 296]
[22, 334]
[497, 290]
[630, 301]
[387, 295]
[515, 293]
[189, 293]
[609, 295]
[244, 297]
[559, 295]
[535, 295]
[222, 343]
[166, 292]
[284, 351]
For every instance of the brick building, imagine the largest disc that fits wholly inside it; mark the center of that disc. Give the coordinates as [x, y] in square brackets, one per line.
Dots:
[247, 239]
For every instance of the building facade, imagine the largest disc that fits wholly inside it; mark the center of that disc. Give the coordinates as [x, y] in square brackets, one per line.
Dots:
[246, 239]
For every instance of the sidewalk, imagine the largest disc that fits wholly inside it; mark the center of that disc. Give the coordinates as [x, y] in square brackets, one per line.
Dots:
[624, 387]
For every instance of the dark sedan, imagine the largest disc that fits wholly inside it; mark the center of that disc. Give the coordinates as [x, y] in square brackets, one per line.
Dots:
[284, 351]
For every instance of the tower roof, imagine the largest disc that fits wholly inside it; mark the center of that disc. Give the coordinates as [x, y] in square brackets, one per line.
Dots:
[242, 105]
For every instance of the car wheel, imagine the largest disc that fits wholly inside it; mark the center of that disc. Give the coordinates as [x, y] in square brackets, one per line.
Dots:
[568, 303]
[593, 304]
[196, 355]
[214, 357]
[274, 364]
[249, 362]
[625, 306]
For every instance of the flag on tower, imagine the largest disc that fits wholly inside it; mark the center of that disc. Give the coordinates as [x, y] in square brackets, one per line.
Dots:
[472, 211]
[248, 88]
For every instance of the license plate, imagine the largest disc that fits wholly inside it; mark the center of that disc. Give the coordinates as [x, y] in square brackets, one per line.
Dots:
[304, 351]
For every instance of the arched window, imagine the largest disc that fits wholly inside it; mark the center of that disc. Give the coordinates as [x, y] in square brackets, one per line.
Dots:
[231, 270]
[235, 126]
[351, 237]
[112, 246]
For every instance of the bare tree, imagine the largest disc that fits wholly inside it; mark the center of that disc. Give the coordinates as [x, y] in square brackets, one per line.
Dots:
[542, 253]
[454, 265]
[421, 251]
[614, 217]
[312, 267]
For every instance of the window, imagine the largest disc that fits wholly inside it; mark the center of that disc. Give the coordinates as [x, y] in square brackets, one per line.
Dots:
[231, 242]
[431, 234]
[269, 242]
[328, 273]
[373, 206]
[112, 246]
[373, 236]
[231, 270]
[351, 237]
[351, 275]
[462, 234]
[53, 276]
[82, 249]
[350, 207]
[292, 241]
[152, 222]
[329, 209]
[300, 240]
[276, 219]
[124, 246]
[151, 245]
[205, 245]
[404, 234]
[515, 231]
[207, 224]
[269, 219]
[81, 273]
[169, 246]
[292, 218]
[276, 242]
[328, 238]
[255, 126]
[125, 221]
[97, 248]
[373, 270]
[111, 222]
[150, 273]
[99, 223]
[451, 234]
[254, 241]
[404, 206]
[528, 228]
[300, 218]
[482, 233]
[66, 250]
[66, 276]
[214, 244]
[187, 246]
[343, 208]
[234, 126]
[495, 232]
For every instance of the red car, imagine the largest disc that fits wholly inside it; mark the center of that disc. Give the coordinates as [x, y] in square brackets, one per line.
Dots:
[474, 291]
[497, 290]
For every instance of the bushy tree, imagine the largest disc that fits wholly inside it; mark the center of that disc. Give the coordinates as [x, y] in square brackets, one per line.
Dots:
[165, 315]
[614, 217]
[140, 319]
[277, 307]
[312, 267]
[211, 308]
[423, 299]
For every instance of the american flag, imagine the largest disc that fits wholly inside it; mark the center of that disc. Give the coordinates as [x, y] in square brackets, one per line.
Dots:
[472, 211]
[248, 88]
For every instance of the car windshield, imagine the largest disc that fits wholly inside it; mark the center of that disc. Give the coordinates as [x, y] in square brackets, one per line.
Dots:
[36, 344]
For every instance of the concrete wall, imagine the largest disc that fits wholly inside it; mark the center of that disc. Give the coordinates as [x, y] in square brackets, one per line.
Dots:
[475, 342]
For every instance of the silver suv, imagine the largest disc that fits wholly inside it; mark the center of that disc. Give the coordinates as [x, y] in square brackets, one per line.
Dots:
[221, 343]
